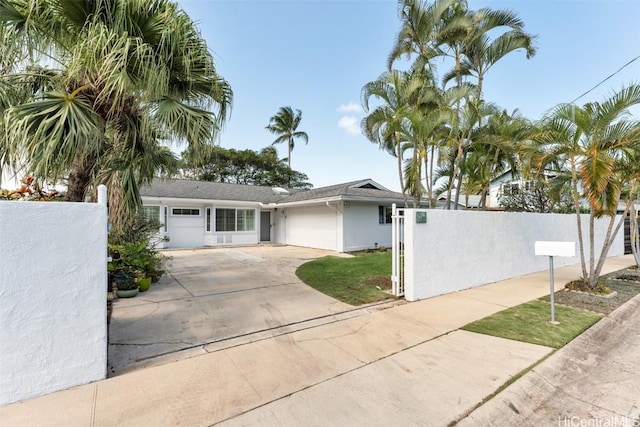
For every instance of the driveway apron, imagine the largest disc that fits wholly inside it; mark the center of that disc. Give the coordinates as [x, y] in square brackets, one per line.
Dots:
[211, 295]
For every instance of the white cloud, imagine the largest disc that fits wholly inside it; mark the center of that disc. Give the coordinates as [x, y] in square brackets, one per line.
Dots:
[349, 124]
[350, 107]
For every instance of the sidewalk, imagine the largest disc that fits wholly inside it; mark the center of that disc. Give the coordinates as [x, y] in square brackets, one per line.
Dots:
[404, 365]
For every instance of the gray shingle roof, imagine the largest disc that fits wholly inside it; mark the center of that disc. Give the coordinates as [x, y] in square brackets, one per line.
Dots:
[186, 189]
[346, 190]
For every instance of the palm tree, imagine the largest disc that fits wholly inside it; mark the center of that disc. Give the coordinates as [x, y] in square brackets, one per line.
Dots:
[477, 52]
[99, 87]
[285, 124]
[597, 141]
[399, 93]
[422, 30]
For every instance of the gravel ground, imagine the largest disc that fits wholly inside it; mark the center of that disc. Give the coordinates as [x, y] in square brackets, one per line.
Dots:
[625, 282]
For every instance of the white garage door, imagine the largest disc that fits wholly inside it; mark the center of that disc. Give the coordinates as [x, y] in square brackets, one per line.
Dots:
[186, 228]
[314, 227]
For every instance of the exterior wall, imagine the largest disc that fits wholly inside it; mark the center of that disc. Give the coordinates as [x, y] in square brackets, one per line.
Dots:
[456, 250]
[362, 229]
[314, 226]
[190, 232]
[53, 287]
[224, 238]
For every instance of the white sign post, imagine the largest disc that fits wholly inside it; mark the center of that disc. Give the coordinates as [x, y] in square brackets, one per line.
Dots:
[551, 249]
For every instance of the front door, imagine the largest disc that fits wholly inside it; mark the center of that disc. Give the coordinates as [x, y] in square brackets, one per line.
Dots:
[265, 226]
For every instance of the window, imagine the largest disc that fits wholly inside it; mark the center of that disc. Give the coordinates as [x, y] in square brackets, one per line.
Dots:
[185, 211]
[151, 213]
[235, 220]
[208, 220]
[384, 214]
[246, 220]
[225, 220]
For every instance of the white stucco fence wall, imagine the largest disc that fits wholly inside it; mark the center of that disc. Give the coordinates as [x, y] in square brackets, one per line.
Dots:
[457, 250]
[53, 287]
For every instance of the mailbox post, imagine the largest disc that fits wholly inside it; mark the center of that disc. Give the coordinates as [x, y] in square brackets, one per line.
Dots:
[551, 249]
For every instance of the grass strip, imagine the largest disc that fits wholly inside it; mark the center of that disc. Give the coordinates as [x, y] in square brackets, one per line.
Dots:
[350, 280]
[530, 322]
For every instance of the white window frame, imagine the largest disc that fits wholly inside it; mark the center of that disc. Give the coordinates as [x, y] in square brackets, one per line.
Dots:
[235, 221]
[173, 208]
[386, 209]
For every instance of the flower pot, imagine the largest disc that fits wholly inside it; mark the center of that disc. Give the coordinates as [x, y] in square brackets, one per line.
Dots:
[144, 284]
[122, 278]
[155, 277]
[127, 293]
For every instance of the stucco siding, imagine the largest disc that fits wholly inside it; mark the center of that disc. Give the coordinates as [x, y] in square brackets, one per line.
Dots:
[456, 250]
[53, 287]
[362, 229]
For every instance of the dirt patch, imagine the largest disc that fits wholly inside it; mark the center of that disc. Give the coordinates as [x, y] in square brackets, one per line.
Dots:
[624, 282]
[382, 282]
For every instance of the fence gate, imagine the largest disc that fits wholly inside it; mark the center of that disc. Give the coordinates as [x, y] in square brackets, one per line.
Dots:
[397, 251]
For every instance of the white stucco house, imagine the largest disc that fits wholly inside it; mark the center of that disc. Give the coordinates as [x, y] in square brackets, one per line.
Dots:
[344, 217]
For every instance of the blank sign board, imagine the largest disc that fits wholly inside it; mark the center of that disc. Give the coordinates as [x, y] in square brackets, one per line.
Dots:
[545, 248]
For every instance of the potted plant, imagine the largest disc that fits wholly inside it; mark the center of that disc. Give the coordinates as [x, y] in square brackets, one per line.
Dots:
[143, 280]
[120, 271]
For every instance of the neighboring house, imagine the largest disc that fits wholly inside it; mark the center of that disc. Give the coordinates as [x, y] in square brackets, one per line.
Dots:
[344, 217]
[502, 185]
[465, 201]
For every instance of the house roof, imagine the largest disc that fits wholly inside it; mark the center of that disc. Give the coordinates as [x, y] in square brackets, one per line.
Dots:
[185, 189]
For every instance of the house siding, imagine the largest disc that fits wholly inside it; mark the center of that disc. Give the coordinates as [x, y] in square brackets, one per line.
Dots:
[186, 231]
[362, 227]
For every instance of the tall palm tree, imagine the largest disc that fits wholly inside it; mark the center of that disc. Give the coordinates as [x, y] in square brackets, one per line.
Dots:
[399, 94]
[597, 142]
[285, 124]
[477, 52]
[423, 28]
[448, 28]
[99, 87]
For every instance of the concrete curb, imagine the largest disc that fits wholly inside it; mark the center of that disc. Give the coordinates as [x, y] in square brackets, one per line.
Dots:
[593, 379]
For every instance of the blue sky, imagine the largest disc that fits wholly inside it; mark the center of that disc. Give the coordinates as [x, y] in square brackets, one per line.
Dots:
[315, 55]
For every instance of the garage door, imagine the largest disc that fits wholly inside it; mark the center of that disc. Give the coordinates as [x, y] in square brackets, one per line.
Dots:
[314, 227]
[186, 228]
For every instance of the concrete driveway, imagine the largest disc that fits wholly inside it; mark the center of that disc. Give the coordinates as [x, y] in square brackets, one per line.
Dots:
[213, 295]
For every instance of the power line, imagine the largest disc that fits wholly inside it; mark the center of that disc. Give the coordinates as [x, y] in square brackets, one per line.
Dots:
[616, 72]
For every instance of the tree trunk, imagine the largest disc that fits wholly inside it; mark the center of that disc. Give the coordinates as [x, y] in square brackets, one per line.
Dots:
[399, 157]
[463, 160]
[608, 241]
[633, 232]
[592, 268]
[430, 177]
[576, 205]
[80, 177]
[418, 164]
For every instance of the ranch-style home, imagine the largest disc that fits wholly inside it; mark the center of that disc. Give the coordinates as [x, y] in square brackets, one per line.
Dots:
[344, 217]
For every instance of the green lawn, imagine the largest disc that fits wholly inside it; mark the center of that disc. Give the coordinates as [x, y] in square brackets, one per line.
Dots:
[529, 322]
[354, 280]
